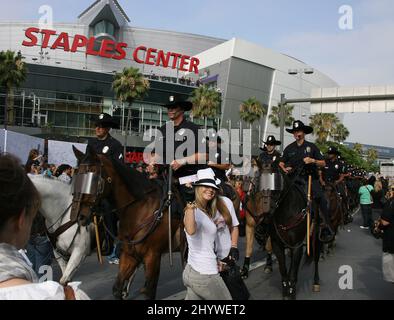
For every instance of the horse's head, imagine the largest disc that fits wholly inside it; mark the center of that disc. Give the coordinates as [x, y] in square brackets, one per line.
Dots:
[330, 190]
[266, 184]
[90, 184]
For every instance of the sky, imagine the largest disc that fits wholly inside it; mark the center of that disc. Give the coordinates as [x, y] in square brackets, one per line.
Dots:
[306, 29]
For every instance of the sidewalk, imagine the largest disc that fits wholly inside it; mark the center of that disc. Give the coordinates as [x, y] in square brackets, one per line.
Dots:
[355, 248]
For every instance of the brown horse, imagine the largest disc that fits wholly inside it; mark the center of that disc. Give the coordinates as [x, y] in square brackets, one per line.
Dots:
[143, 217]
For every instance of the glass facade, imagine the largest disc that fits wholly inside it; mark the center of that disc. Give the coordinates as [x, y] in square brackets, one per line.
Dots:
[63, 101]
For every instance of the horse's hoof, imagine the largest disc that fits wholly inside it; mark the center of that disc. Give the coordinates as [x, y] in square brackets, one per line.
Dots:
[316, 288]
[292, 293]
[117, 295]
[143, 290]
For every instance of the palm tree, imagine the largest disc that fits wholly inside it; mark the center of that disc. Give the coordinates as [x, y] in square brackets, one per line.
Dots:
[128, 86]
[275, 116]
[13, 73]
[340, 133]
[323, 125]
[372, 155]
[206, 102]
[252, 110]
[358, 148]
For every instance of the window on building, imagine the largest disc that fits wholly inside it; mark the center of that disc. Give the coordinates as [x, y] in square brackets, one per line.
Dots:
[104, 26]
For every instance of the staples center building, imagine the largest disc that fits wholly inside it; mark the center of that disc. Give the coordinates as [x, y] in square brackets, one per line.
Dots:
[71, 68]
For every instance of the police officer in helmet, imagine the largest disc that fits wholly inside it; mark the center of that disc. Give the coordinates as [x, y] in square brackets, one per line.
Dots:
[301, 159]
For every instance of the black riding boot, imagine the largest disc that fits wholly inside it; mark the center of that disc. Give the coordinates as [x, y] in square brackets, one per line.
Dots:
[326, 232]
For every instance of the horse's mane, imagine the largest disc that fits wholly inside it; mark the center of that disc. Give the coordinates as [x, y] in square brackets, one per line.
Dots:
[136, 182]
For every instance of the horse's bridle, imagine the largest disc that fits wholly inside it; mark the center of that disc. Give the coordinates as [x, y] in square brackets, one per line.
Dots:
[89, 183]
[258, 190]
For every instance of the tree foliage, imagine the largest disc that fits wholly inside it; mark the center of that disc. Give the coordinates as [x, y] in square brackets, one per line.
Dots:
[130, 85]
[275, 116]
[206, 102]
[252, 110]
[13, 72]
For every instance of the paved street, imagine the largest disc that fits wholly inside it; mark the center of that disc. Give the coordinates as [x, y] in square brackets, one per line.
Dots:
[355, 248]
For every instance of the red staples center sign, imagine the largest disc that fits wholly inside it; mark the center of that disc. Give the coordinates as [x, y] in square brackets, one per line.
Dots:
[110, 49]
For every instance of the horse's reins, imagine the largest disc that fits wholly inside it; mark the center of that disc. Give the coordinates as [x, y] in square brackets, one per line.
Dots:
[61, 216]
[298, 219]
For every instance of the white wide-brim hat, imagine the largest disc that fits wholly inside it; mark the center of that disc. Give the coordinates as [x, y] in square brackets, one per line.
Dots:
[207, 178]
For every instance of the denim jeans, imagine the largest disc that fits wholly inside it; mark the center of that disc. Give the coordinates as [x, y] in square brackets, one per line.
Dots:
[39, 252]
[366, 211]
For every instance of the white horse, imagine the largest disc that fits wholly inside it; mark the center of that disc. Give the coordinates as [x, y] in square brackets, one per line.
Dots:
[75, 243]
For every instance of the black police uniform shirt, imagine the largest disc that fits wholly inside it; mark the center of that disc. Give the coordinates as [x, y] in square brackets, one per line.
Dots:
[181, 137]
[109, 147]
[218, 156]
[294, 156]
[272, 159]
[332, 171]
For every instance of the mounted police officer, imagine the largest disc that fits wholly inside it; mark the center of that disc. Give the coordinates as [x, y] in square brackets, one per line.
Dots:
[269, 154]
[301, 159]
[180, 145]
[268, 157]
[334, 171]
[104, 143]
[219, 161]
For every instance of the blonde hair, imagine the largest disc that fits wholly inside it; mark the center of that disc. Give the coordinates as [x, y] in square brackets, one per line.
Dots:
[216, 204]
[378, 186]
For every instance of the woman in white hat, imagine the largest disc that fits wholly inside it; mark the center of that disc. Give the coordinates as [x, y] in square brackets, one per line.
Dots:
[208, 222]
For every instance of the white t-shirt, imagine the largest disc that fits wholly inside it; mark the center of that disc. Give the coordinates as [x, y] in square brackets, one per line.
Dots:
[223, 237]
[202, 257]
[41, 291]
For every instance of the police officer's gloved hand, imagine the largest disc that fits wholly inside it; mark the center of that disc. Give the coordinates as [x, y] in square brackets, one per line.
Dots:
[234, 254]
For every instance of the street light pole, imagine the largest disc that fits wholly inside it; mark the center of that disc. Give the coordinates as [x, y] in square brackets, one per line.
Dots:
[282, 120]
